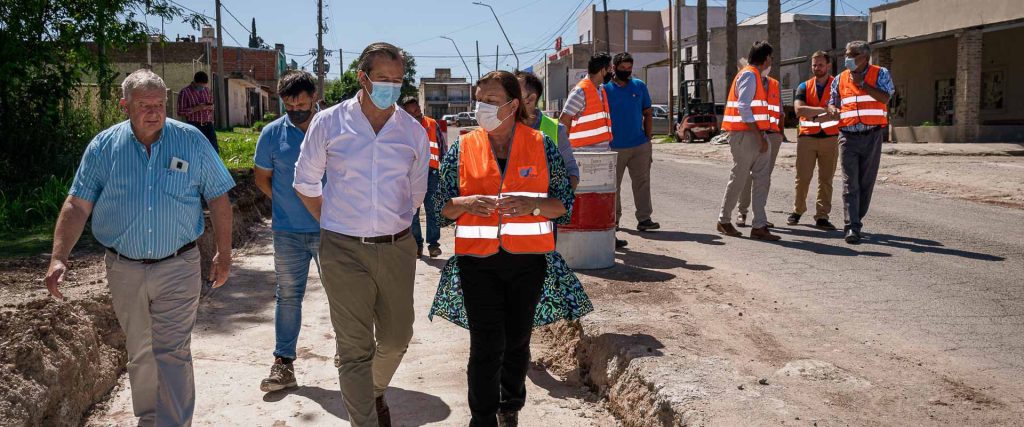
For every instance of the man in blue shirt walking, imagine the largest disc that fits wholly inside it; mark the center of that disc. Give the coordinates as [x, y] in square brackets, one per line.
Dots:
[296, 232]
[141, 180]
[630, 107]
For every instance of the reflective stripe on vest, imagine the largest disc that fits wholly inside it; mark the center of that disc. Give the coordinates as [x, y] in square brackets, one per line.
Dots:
[732, 120]
[774, 106]
[593, 125]
[435, 150]
[857, 106]
[526, 174]
[818, 100]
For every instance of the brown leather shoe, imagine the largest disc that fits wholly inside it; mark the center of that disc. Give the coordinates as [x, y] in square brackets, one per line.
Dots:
[763, 234]
[383, 413]
[729, 230]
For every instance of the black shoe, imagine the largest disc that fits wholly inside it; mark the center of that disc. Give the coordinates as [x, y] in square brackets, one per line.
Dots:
[434, 250]
[823, 224]
[852, 237]
[647, 225]
[619, 243]
[793, 219]
[508, 419]
[419, 251]
[383, 413]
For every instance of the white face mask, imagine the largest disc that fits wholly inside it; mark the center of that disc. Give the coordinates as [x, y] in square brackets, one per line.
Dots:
[487, 115]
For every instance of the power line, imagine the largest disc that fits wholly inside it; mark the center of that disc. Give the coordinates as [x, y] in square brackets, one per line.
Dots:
[236, 19]
[471, 25]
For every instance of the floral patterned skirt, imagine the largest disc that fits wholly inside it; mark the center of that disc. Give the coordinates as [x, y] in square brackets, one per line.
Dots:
[562, 296]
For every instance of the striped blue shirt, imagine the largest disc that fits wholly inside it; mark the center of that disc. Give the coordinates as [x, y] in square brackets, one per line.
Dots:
[884, 84]
[146, 207]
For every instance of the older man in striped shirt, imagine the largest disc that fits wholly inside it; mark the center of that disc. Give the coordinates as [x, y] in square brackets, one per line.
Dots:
[141, 180]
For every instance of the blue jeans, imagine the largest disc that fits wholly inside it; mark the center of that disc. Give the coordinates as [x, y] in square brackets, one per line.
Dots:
[433, 230]
[292, 253]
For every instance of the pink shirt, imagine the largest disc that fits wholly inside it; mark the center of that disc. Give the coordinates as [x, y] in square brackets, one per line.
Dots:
[192, 96]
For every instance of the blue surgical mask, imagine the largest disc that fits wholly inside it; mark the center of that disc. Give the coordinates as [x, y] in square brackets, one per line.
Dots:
[384, 94]
[851, 64]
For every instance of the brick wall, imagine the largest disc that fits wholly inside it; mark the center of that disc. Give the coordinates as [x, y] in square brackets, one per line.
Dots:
[967, 104]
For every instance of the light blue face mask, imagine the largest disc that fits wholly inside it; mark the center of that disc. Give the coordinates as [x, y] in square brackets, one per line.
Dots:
[384, 94]
[851, 64]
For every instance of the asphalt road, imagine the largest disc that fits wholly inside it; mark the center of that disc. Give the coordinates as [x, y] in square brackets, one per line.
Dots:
[936, 278]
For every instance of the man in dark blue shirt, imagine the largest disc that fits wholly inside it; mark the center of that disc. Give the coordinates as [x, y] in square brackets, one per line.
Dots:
[630, 107]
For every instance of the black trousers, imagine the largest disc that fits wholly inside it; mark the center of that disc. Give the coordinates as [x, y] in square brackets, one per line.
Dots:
[859, 156]
[209, 132]
[500, 298]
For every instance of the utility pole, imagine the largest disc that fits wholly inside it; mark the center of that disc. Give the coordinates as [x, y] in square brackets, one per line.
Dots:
[775, 36]
[341, 63]
[221, 104]
[679, 45]
[832, 28]
[701, 69]
[496, 57]
[607, 33]
[320, 47]
[460, 57]
[730, 42]
[671, 62]
[500, 27]
[477, 62]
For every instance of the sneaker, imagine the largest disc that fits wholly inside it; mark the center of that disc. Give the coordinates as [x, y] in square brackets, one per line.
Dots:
[824, 224]
[619, 243]
[741, 220]
[647, 225]
[853, 237]
[435, 251]
[793, 219]
[383, 413]
[763, 234]
[282, 376]
[508, 418]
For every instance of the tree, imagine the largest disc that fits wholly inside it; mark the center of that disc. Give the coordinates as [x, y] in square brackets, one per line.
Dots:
[409, 82]
[255, 41]
[347, 85]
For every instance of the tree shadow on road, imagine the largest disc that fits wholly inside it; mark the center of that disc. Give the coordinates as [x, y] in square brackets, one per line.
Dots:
[408, 407]
[643, 267]
[678, 236]
[240, 302]
[925, 246]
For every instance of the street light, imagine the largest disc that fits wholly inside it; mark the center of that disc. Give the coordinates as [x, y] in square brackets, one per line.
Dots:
[460, 56]
[502, 31]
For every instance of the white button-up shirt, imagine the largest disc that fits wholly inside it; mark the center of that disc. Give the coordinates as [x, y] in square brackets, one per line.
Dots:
[375, 182]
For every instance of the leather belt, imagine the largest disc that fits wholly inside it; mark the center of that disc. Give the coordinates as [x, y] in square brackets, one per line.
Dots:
[180, 251]
[391, 238]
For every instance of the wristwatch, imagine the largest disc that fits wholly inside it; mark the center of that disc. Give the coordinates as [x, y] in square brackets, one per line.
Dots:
[536, 208]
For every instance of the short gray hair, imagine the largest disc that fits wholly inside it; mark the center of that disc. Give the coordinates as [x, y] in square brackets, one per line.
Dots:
[860, 46]
[141, 79]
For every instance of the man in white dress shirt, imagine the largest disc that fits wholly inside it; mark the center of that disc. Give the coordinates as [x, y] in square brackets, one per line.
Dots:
[376, 160]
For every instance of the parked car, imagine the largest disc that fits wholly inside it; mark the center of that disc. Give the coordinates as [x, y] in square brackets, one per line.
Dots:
[449, 119]
[466, 118]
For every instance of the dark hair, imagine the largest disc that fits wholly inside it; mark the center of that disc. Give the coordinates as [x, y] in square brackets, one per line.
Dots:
[295, 82]
[510, 83]
[409, 99]
[376, 50]
[822, 54]
[759, 52]
[200, 77]
[531, 82]
[598, 62]
[622, 57]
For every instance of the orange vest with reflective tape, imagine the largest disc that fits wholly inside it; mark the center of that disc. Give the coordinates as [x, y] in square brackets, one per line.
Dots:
[593, 125]
[435, 150]
[732, 121]
[857, 105]
[774, 106]
[526, 174]
[820, 100]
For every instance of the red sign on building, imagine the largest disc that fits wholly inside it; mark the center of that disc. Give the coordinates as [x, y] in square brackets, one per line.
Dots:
[558, 43]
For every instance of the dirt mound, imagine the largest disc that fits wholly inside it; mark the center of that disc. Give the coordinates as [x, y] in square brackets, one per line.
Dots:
[58, 359]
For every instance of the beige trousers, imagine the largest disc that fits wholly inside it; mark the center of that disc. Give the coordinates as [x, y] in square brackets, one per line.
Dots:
[825, 153]
[775, 142]
[638, 160]
[156, 307]
[369, 289]
[748, 162]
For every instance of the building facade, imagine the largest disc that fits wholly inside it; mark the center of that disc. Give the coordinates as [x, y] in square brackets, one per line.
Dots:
[443, 94]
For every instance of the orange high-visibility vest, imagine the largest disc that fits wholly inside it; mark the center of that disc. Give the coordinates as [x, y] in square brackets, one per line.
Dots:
[526, 174]
[814, 99]
[732, 121]
[774, 106]
[857, 105]
[435, 150]
[593, 125]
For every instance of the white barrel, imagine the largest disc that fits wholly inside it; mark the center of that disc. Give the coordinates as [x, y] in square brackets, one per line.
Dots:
[587, 250]
[597, 171]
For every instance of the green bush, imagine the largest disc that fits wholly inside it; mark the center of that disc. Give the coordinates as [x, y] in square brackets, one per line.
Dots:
[258, 126]
[269, 117]
[28, 208]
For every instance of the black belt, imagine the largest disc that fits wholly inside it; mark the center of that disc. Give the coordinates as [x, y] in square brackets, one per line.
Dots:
[197, 124]
[180, 251]
[861, 132]
[391, 238]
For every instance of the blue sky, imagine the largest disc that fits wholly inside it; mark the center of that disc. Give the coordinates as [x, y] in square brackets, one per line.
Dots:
[416, 26]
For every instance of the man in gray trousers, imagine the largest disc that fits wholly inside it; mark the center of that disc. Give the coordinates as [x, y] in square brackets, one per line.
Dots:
[859, 100]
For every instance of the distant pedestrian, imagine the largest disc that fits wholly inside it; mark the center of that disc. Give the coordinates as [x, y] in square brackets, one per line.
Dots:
[747, 120]
[629, 103]
[860, 98]
[775, 137]
[438, 146]
[376, 158]
[141, 180]
[296, 232]
[586, 108]
[817, 142]
[195, 107]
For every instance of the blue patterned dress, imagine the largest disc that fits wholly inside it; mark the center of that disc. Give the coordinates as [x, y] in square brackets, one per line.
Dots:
[562, 295]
